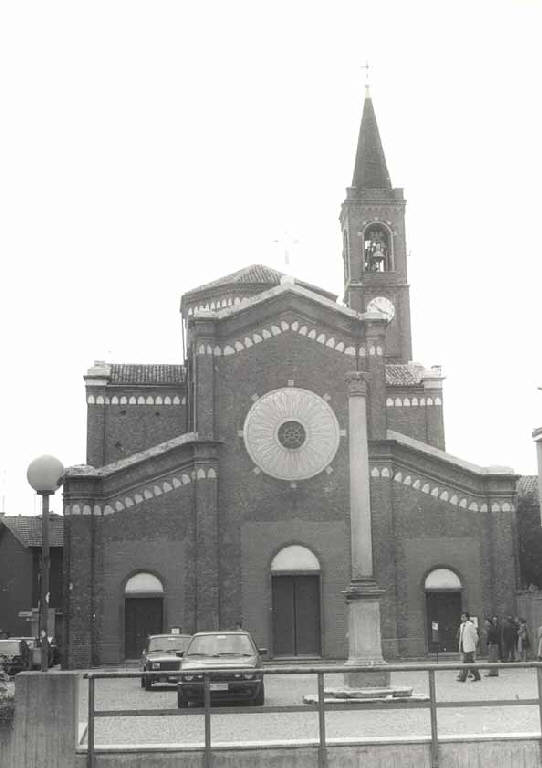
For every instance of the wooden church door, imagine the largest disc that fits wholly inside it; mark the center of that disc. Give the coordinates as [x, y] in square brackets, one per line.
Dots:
[296, 615]
[143, 617]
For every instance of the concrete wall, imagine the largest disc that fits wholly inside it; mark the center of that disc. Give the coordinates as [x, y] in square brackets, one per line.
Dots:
[504, 753]
[44, 730]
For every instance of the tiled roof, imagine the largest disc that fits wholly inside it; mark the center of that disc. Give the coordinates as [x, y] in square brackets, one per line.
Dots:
[528, 486]
[404, 375]
[124, 373]
[254, 275]
[28, 529]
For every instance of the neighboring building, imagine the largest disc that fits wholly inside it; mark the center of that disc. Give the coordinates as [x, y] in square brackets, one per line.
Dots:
[220, 490]
[529, 533]
[20, 557]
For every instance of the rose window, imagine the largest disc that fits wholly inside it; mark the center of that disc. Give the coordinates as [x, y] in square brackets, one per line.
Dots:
[291, 434]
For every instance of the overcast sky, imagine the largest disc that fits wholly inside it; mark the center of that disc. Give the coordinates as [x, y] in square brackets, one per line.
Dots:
[147, 148]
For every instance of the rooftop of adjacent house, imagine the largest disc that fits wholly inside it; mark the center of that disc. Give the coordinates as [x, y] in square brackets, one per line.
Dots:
[255, 275]
[27, 529]
[404, 374]
[127, 373]
[528, 487]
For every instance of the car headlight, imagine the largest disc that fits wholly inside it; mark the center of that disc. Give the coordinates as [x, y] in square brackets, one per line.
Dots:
[188, 678]
[248, 675]
[155, 665]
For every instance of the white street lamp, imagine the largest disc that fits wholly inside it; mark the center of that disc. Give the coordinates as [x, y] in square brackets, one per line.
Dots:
[44, 475]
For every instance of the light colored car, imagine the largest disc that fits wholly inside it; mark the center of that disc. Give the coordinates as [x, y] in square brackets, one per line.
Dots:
[162, 654]
[216, 652]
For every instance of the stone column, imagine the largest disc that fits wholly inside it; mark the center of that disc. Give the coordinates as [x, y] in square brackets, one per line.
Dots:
[363, 595]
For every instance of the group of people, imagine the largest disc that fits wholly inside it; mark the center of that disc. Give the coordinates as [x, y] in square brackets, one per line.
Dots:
[506, 640]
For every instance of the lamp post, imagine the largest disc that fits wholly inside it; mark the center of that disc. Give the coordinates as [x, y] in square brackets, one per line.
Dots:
[44, 475]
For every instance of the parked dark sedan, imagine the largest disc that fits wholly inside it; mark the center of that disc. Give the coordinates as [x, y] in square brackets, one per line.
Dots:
[162, 654]
[219, 652]
[15, 655]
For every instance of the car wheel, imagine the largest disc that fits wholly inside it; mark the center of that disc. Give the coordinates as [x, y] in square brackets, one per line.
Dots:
[259, 699]
[148, 683]
[182, 701]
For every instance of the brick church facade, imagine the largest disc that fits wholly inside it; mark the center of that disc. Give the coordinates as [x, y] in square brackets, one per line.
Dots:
[220, 491]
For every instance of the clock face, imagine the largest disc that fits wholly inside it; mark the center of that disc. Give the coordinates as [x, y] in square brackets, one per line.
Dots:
[383, 305]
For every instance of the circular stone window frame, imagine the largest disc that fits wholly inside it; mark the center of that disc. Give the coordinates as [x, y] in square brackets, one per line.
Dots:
[266, 416]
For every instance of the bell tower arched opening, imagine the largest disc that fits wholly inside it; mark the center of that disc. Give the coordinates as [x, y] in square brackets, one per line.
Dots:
[377, 249]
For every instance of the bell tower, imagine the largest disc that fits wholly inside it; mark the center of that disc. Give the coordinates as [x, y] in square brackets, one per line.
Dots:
[374, 242]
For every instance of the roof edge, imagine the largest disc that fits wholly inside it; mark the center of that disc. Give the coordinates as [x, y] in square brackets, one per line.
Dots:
[429, 450]
[86, 470]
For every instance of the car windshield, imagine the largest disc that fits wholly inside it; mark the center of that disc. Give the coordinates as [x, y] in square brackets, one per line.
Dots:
[173, 644]
[10, 647]
[220, 645]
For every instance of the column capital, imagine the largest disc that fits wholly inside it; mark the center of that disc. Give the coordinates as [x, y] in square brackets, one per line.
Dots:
[357, 382]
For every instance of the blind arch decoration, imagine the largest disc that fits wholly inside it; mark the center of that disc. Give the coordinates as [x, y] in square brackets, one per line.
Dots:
[144, 583]
[295, 558]
[442, 579]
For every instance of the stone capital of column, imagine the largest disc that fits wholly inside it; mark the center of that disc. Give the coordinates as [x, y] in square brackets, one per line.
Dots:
[356, 382]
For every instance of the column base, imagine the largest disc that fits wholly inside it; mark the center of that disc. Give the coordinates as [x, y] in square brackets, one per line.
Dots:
[364, 642]
[367, 679]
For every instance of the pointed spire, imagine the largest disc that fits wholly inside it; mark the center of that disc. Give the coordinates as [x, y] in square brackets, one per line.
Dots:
[370, 171]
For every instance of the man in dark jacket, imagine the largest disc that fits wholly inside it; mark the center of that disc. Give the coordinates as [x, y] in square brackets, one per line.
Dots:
[493, 633]
[509, 639]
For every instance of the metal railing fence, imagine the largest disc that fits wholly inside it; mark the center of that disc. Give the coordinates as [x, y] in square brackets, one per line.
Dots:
[321, 706]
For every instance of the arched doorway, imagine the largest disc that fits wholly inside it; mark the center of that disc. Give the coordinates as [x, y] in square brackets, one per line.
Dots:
[295, 590]
[143, 612]
[443, 608]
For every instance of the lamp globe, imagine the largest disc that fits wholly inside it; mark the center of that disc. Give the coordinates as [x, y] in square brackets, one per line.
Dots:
[45, 474]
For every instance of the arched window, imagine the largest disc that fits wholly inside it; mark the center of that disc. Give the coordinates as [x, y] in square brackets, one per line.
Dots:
[143, 584]
[376, 249]
[295, 558]
[442, 579]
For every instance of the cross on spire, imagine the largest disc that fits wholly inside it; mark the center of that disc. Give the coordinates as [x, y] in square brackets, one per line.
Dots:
[366, 68]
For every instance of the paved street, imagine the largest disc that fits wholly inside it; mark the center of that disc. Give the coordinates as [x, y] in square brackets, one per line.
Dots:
[281, 689]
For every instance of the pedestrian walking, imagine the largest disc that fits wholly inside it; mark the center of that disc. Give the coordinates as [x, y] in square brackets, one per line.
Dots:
[468, 640]
[492, 631]
[524, 641]
[509, 639]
